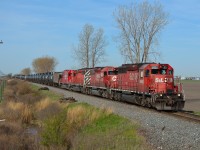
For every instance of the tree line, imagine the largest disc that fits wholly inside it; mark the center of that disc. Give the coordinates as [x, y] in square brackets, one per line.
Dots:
[139, 26]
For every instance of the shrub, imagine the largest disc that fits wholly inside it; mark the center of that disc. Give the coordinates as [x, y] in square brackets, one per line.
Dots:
[53, 131]
[23, 88]
[12, 82]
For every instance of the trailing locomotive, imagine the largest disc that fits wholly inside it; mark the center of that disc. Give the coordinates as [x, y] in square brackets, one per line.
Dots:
[146, 84]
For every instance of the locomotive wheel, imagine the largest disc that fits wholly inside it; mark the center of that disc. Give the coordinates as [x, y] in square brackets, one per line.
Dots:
[118, 96]
[148, 101]
[143, 102]
[115, 96]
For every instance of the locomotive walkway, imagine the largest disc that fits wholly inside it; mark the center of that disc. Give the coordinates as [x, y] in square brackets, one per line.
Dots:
[161, 130]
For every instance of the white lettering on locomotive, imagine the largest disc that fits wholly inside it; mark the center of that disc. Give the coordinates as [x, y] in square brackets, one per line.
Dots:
[162, 80]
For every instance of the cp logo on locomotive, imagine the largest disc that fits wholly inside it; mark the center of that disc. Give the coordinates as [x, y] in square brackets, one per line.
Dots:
[114, 78]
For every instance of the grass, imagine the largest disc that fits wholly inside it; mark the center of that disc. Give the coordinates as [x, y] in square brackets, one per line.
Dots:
[197, 113]
[54, 96]
[110, 132]
[61, 125]
[22, 108]
[81, 126]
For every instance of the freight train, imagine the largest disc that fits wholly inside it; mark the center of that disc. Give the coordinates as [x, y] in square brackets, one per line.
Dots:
[147, 84]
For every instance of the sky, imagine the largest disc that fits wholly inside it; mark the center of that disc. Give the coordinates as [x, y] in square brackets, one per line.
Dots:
[31, 29]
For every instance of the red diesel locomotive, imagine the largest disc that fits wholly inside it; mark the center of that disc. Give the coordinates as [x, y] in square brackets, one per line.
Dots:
[151, 85]
[145, 84]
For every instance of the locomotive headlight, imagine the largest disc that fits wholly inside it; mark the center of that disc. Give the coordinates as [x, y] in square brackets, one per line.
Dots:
[160, 95]
[179, 95]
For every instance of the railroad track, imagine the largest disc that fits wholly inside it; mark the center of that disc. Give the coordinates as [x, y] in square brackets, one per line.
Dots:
[186, 115]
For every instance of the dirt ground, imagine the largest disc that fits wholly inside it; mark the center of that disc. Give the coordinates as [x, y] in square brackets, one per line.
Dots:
[192, 95]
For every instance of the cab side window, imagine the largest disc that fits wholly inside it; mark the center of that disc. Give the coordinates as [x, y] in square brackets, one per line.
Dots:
[170, 72]
[154, 71]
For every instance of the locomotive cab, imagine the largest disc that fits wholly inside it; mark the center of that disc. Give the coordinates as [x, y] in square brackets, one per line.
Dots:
[110, 77]
[159, 83]
[159, 79]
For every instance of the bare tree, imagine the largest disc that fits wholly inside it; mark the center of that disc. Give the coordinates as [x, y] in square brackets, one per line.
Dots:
[91, 48]
[97, 48]
[26, 71]
[140, 25]
[44, 64]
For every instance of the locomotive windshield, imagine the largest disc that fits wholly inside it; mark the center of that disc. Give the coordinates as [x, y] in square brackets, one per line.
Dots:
[115, 72]
[162, 71]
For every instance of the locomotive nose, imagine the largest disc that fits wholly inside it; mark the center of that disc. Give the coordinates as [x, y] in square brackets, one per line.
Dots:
[164, 83]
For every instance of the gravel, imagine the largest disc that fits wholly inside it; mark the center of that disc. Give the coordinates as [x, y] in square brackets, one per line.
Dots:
[161, 131]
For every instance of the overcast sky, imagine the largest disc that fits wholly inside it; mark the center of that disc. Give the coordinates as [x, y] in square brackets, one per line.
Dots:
[36, 28]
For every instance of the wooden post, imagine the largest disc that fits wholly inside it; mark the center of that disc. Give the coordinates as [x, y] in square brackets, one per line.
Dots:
[1, 91]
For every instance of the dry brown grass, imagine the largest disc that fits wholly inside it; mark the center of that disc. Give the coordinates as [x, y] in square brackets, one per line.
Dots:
[23, 88]
[42, 104]
[108, 111]
[11, 111]
[46, 108]
[8, 93]
[9, 128]
[20, 108]
[27, 115]
[82, 115]
[13, 136]
[12, 82]
[76, 114]
[16, 111]
[94, 115]
[16, 106]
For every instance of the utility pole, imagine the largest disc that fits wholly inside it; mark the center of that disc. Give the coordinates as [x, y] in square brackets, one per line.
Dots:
[1, 42]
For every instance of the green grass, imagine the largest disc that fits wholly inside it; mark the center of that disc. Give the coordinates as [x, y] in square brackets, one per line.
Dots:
[81, 126]
[104, 124]
[197, 113]
[110, 132]
[54, 96]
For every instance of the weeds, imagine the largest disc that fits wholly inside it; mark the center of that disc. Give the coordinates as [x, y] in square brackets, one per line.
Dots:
[46, 108]
[20, 107]
[81, 126]
[60, 125]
